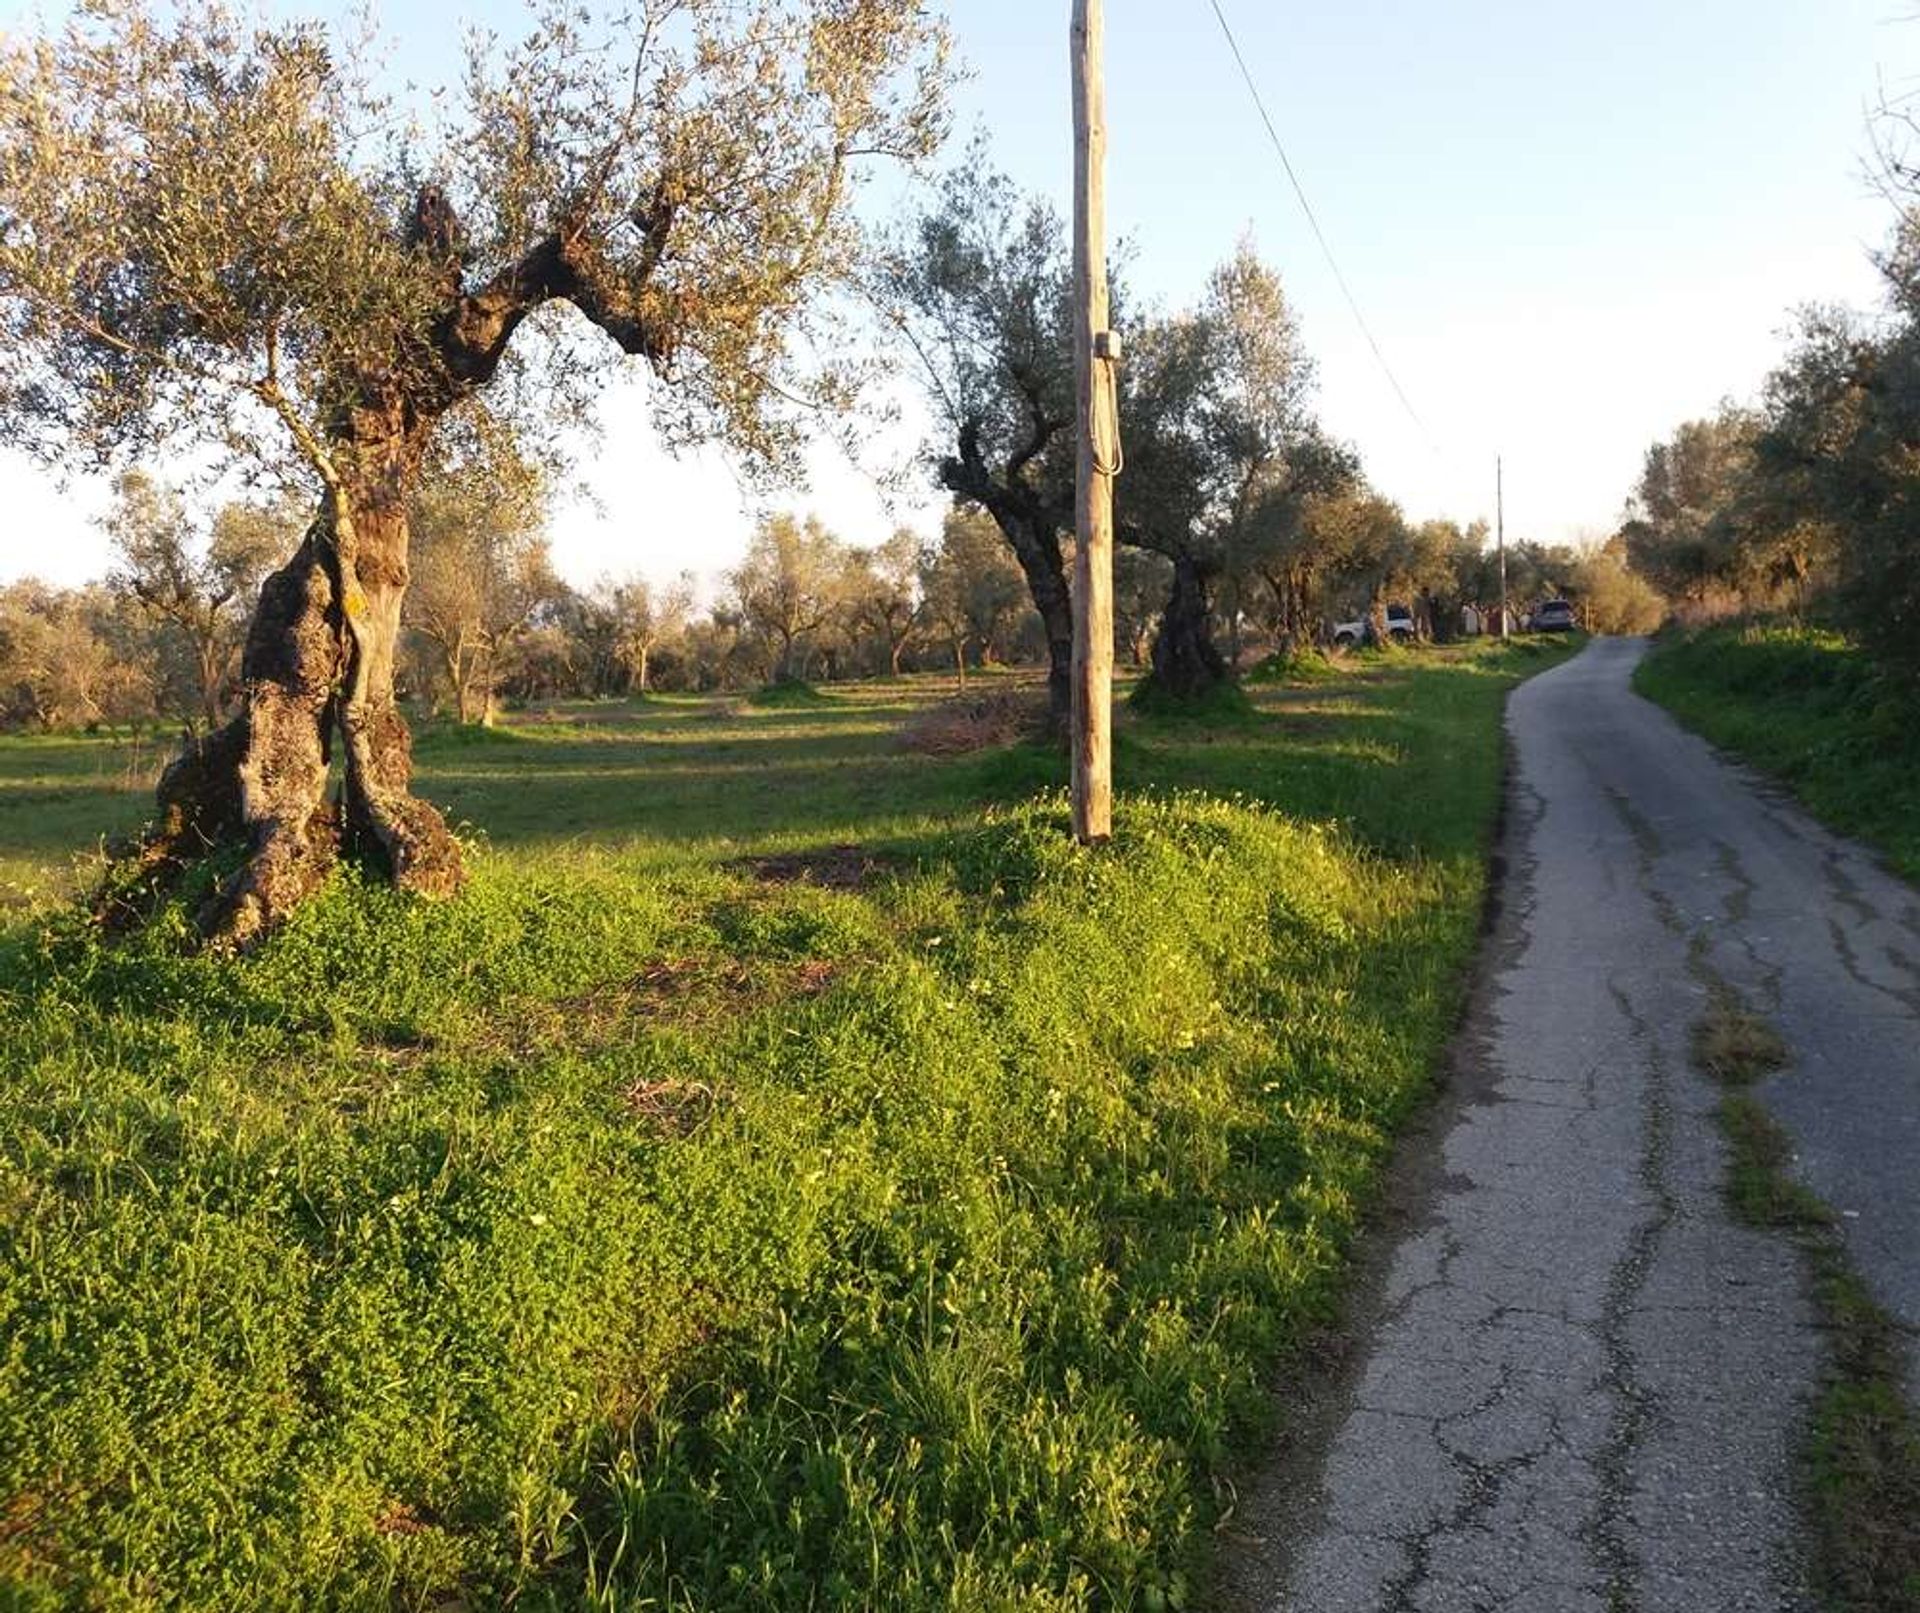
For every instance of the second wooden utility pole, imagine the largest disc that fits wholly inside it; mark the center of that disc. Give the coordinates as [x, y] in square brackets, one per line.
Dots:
[1500, 529]
[1099, 459]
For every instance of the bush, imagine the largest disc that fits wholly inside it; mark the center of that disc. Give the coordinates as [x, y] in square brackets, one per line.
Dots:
[786, 694]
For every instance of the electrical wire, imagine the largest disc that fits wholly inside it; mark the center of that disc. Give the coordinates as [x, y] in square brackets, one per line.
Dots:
[1319, 234]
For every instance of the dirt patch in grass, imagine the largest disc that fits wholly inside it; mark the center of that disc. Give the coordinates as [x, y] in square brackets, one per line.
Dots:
[844, 867]
[669, 993]
[682, 991]
[400, 1519]
[676, 1107]
[977, 722]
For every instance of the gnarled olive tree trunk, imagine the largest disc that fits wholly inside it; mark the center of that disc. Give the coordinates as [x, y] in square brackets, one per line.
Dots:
[318, 670]
[319, 661]
[1041, 562]
[1186, 662]
[1032, 525]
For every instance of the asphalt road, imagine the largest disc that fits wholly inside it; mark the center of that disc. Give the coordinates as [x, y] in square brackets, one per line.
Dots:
[1577, 1384]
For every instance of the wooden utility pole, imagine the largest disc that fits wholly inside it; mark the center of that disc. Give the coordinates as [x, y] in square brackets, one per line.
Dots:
[1093, 357]
[1500, 530]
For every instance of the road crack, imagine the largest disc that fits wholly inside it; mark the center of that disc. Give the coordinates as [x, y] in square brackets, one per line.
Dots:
[1635, 1404]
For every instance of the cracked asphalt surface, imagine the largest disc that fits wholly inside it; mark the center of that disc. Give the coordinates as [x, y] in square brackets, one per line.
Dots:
[1579, 1384]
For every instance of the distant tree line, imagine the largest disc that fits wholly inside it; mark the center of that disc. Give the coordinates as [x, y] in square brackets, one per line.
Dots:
[157, 642]
[488, 619]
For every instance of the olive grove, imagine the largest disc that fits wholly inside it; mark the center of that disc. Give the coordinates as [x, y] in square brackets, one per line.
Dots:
[223, 232]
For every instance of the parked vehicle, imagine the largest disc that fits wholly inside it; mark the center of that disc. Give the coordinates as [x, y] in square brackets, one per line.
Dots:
[1400, 628]
[1553, 616]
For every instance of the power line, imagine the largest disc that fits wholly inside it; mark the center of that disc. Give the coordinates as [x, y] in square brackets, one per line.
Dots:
[1319, 234]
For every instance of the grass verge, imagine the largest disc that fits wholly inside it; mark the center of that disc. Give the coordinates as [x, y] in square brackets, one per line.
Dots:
[1864, 1444]
[1809, 707]
[661, 1226]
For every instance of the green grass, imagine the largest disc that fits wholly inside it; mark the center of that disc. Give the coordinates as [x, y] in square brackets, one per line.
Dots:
[1809, 707]
[1225, 702]
[1760, 1185]
[788, 694]
[1863, 1440]
[1733, 1044]
[637, 1232]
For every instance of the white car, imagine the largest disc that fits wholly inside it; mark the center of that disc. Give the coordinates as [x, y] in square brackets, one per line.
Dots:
[1399, 627]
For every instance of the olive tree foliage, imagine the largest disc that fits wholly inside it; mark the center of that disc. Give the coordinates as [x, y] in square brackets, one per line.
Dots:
[1741, 509]
[1811, 499]
[198, 587]
[1612, 596]
[978, 287]
[1285, 571]
[1220, 432]
[1806, 500]
[971, 592]
[218, 228]
[1141, 579]
[1836, 461]
[786, 589]
[73, 658]
[480, 566]
[618, 630]
[881, 596]
[1449, 567]
[1684, 528]
[648, 616]
[1368, 549]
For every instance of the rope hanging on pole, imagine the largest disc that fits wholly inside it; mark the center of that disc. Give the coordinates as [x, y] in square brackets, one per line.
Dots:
[1107, 431]
[1106, 358]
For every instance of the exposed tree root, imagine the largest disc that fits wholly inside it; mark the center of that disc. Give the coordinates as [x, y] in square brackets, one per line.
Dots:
[319, 662]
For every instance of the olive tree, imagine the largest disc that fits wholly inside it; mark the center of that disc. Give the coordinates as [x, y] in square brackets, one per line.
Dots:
[969, 590]
[785, 589]
[979, 287]
[1684, 526]
[881, 591]
[217, 228]
[1218, 424]
[481, 566]
[649, 615]
[198, 589]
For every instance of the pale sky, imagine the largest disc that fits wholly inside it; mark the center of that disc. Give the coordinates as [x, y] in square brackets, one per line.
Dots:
[1570, 226]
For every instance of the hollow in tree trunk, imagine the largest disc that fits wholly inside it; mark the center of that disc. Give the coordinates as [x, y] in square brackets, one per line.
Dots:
[318, 670]
[1186, 662]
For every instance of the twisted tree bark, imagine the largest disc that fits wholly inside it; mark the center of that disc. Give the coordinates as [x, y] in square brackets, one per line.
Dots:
[321, 650]
[1031, 524]
[1186, 662]
[318, 667]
